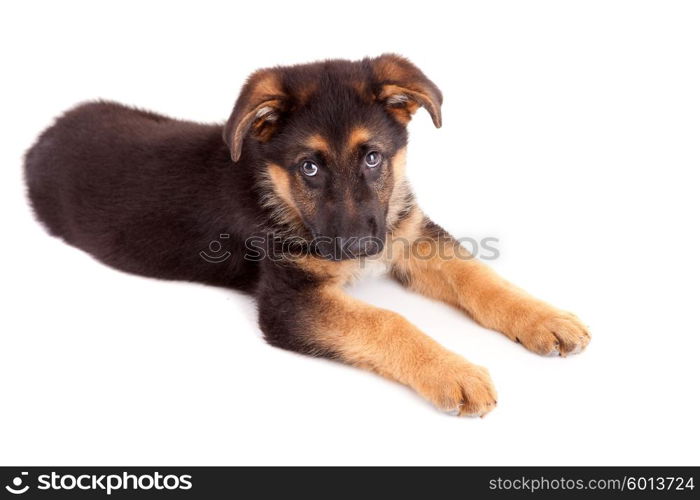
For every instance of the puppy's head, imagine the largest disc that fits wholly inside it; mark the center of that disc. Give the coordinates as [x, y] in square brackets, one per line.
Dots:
[330, 138]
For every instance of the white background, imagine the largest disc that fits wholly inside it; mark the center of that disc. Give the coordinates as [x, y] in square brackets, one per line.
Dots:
[571, 133]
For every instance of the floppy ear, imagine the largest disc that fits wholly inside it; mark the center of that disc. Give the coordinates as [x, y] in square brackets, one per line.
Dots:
[403, 88]
[256, 112]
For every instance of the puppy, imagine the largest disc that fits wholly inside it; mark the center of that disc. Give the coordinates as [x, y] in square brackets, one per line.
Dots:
[305, 188]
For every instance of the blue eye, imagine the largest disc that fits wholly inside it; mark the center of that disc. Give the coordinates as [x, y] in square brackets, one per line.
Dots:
[309, 168]
[373, 159]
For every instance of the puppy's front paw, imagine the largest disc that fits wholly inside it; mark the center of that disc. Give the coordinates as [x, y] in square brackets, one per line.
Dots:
[458, 387]
[552, 332]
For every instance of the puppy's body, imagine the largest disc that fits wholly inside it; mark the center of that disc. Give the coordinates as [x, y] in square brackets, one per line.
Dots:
[145, 193]
[310, 170]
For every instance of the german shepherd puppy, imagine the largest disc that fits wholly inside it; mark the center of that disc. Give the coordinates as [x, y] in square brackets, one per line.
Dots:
[306, 187]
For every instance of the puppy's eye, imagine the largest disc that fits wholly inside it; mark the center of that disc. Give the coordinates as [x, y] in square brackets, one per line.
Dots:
[309, 168]
[373, 159]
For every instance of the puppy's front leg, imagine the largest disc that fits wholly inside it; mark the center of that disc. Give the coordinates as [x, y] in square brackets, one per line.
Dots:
[427, 259]
[323, 320]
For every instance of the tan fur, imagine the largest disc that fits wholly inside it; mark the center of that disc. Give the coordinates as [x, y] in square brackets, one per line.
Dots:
[389, 69]
[317, 142]
[280, 183]
[406, 87]
[398, 164]
[288, 197]
[416, 99]
[263, 100]
[400, 190]
[336, 273]
[279, 197]
[445, 271]
[386, 343]
[251, 120]
[266, 85]
[356, 137]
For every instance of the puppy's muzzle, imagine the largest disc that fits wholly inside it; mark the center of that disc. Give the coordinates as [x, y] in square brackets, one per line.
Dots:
[344, 248]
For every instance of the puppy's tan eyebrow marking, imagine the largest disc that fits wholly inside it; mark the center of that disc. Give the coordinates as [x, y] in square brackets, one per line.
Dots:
[318, 143]
[357, 136]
